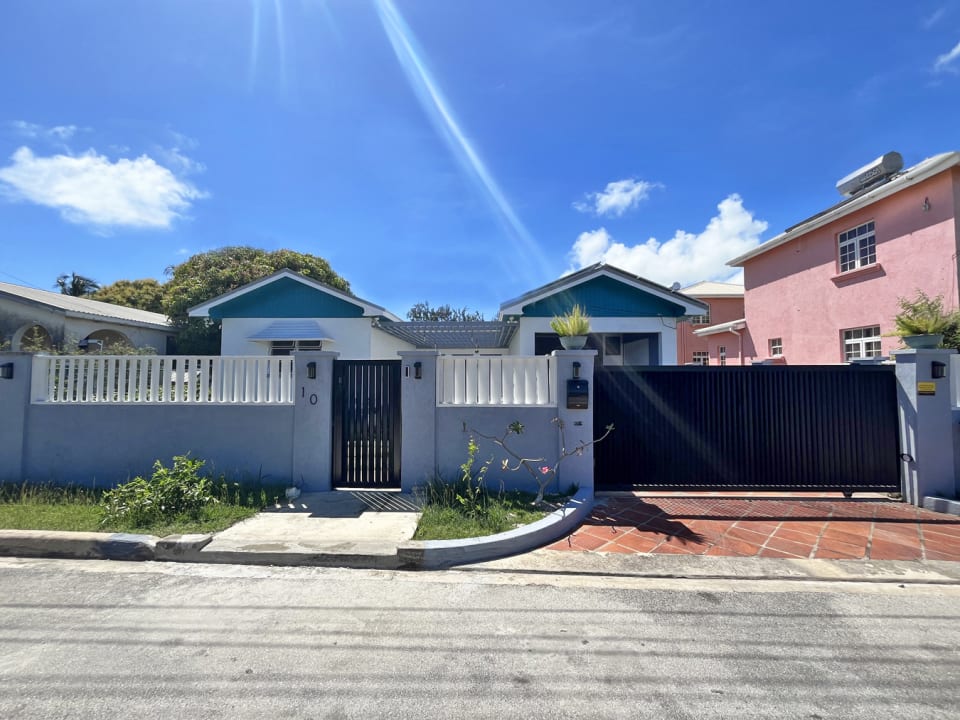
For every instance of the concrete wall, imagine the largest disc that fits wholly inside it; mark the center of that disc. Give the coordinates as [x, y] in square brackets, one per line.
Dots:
[796, 292]
[435, 438]
[107, 444]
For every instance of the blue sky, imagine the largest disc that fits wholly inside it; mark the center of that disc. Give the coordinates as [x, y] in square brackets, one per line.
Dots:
[458, 152]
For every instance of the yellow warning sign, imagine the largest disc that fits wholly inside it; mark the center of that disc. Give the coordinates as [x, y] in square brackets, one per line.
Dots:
[926, 388]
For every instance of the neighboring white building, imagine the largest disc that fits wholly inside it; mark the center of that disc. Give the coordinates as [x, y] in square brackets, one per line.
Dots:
[633, 321]
[40, 319]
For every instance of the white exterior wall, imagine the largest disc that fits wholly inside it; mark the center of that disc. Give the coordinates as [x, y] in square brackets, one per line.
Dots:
[16, 317]
[353, 338]
[384, 346]
[523, 341]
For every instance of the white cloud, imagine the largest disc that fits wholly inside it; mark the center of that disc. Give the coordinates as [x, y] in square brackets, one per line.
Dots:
[944, 61]
[89, 189]
[32, 130]
[617, 197]
[930, 20]
[686, 257]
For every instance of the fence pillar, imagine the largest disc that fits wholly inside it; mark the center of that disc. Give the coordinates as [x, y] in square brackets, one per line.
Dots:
[313, 420]
[418, 403]
[926, 425]
[577, 424]
[15, 402]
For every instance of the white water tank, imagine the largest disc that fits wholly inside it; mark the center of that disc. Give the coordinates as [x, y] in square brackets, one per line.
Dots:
[871, 174]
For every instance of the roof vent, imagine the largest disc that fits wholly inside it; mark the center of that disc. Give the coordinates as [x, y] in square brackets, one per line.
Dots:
[871, 174]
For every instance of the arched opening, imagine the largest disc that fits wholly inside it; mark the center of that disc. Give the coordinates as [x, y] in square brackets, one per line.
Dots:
[105, 342]
[33, 338]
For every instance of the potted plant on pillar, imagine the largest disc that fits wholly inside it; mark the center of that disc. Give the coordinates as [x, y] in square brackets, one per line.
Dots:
[572, 327]
[922, 322]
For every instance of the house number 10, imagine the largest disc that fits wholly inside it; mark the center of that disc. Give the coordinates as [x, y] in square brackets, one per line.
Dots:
[313, 396]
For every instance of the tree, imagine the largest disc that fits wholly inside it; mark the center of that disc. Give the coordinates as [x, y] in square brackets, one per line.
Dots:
[208, 275]
[442, 313]
[146, 294]
[76, 285]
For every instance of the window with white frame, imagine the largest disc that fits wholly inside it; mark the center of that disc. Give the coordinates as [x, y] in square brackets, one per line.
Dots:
[722, 354]
[285, 347]
[776, 346]
[858, 247]
[701, 357]
[861, 343]
[701, 319]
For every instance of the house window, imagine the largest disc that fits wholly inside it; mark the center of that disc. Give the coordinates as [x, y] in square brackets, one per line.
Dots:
[861, 343]
[285, 347]
[701, 319]
[722, 353]
[701, 357]
[858, 247]
[776, 346]
[612, 345]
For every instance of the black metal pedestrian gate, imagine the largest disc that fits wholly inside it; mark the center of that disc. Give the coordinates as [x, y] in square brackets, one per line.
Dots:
[366, 423]
[795, 428]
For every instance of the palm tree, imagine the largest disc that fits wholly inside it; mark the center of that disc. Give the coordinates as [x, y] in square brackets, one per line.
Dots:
[76, 285]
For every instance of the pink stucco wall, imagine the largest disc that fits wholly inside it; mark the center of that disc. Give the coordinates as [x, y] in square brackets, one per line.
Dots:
[795, 291]
[721, 310]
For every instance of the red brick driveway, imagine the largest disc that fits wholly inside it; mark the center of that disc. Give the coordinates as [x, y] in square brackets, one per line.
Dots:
[767, 525]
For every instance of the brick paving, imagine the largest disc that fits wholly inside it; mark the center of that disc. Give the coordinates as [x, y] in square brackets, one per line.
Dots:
[767, 525]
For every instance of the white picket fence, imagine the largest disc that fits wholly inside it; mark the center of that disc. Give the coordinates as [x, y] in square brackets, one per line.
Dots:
[162, 379]
[503, 381]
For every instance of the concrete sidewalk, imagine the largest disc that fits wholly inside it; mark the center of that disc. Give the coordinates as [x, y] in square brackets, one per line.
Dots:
[361, 528]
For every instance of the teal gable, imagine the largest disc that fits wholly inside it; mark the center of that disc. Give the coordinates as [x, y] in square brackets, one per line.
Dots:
[604, 297]
[286, 298]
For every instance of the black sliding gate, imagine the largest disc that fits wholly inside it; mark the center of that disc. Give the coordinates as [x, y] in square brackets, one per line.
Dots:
[748, 428]
[366, 423]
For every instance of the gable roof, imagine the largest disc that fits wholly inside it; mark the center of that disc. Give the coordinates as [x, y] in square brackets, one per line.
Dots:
[909, 177]
[710, 289]
[690, 305]
[368, 308]
[78, 307]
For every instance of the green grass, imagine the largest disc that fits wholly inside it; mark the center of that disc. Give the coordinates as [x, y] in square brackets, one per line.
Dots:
[51, 507]
[444, 517]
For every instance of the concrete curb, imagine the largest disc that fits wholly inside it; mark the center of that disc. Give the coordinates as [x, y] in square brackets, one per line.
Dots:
[98, 546]
[436, 554]
[81, 545]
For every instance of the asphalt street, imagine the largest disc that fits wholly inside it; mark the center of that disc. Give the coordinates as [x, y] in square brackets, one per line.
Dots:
[100, 639]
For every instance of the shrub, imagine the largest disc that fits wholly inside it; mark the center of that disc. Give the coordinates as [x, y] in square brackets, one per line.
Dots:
[168, 494]
[924, 315]
[572, 324]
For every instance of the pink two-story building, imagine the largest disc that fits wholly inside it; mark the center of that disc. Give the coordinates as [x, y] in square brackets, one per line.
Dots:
[825, 291]
[725, 304]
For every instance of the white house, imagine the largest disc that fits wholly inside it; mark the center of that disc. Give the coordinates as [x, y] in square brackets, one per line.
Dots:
[633, 321]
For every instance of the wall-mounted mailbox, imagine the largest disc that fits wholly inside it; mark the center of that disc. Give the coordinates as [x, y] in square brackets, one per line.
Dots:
[578, 392]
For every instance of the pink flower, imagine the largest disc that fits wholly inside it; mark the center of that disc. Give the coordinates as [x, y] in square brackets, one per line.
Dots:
[545, 469]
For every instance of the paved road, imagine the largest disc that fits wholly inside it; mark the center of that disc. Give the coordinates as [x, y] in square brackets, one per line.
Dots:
[91, 639]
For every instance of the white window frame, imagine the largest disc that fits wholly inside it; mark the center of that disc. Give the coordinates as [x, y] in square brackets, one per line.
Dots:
[857, 247]
[701, 357]
[722, 354]
[861, 342]
[701, 319]
[287, 347]
[776, 346]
